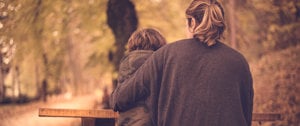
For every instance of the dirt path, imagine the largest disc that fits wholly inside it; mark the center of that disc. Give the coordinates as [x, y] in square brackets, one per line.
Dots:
[30, 118]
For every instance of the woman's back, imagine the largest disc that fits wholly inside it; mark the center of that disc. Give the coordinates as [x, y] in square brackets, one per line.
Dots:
[203, 85]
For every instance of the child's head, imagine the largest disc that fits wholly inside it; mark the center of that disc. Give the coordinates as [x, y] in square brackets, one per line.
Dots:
[146, 39]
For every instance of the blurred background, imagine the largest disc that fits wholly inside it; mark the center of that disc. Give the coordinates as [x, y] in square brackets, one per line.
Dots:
[65, 53]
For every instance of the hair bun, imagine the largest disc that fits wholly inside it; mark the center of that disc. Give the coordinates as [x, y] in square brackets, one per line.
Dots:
[209, 20]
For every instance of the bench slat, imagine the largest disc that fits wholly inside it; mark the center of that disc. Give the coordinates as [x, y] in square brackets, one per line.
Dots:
[109, 114]
[266, 117]
[77, 113]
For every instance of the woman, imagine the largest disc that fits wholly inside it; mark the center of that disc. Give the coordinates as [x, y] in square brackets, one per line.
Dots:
[197, 81]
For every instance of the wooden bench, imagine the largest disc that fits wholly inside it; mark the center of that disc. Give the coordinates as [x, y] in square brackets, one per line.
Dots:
[107, 117]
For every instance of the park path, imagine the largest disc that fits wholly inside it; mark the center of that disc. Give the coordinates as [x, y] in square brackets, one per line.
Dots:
[31, 118]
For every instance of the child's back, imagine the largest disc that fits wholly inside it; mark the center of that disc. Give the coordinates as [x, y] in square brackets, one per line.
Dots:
[138, 115]
[141, 46]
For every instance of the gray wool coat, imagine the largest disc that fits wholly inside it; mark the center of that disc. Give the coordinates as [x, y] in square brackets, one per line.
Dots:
[187, 83]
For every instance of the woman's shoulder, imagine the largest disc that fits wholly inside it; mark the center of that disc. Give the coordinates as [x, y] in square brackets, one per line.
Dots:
[172, 48]
[182, 42]
[232, 55]
[176, 44]
[230, 50]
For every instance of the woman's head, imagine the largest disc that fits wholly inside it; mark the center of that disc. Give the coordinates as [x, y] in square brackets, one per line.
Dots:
[205, 20]
[146, 39]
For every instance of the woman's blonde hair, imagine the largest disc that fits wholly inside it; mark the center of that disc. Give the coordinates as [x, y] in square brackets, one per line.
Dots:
[146, 39]
[206, 20]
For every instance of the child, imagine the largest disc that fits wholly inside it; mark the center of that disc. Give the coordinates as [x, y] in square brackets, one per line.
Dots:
[141, 45]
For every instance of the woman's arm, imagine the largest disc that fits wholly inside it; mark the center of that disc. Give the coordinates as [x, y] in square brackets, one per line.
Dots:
[138, 86]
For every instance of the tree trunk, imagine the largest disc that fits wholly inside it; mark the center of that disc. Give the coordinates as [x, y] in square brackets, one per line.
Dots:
[74, 67]
[38, 40]
[122, 19]
[2, 93]
[232, 22]
[44, 85]
[37, 81]
[18, 82]
[4, 29]
[15, 83]
[297, 6]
